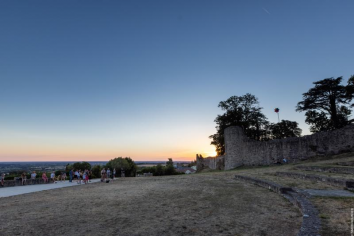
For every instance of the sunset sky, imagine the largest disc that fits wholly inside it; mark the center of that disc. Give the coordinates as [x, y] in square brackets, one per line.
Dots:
[94, 80]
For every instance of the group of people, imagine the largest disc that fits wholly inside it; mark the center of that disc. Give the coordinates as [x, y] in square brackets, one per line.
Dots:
[106, 174]
[80, 176]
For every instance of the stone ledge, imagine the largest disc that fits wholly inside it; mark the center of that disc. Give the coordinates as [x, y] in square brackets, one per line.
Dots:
[266, 184]
[345, 163]
[311, 223]
[347, 183]
[341, 170]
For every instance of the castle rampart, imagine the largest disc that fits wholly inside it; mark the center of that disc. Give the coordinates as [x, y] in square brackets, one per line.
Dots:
[243, 151]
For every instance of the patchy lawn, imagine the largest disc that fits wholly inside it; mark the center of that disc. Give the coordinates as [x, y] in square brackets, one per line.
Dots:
[202, 204]
[335, 214]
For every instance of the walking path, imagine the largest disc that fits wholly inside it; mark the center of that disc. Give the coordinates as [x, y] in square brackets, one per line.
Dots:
[328, 193]
[18, 190]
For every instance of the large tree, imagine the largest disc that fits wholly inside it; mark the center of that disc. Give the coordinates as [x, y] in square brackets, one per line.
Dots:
[285, 129]
[82, 165]
[350, 89]
[325, 105]
[127, 164]
[241, 111]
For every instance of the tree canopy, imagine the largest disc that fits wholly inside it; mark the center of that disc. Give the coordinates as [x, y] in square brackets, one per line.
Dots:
[82, 165]
[325, 104]
[350, 89]
[159, 170]
[285, 129]
[127, 164]
[241, 111]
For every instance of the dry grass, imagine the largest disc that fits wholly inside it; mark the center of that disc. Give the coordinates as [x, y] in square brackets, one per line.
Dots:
[335, 215]
[268, 173]
[326, 174]
[202, 204]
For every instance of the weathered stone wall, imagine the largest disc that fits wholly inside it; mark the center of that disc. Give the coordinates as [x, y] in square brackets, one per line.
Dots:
[214, 163]
[240, 150]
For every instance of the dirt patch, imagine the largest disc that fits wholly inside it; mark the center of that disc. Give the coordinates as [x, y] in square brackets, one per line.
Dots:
[204, 204]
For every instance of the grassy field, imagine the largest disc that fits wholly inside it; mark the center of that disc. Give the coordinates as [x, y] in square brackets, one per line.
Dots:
[210, 203]
[201, 204]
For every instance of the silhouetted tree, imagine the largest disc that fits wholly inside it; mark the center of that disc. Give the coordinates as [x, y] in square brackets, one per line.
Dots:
[82, 165]
[159, 170]
[285, 129]
[241, 111]
[324, 105]
[169, 168]
[127, 164]
[350, 89]
[96, 171]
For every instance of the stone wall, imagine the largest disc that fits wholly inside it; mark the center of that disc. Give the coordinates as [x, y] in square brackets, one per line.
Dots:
[242, 151]
[214, 163]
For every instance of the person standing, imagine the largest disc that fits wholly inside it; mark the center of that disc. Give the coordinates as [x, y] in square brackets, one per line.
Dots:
[89, 175]
[23, 178]
[64, 176]
[103, 174]
[70, 175]
[79, 173]
[2, 179]
[33, 175]
[44, 177]
[53, 177]
[76, 176]
[108, 173]
[113, 173]
[85, 176]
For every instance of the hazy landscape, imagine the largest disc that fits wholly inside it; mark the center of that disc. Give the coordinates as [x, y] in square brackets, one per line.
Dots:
[7, 167]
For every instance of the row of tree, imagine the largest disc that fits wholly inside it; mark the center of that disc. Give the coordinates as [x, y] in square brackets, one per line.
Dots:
[126, 164]
[327, 106]
[160, 170]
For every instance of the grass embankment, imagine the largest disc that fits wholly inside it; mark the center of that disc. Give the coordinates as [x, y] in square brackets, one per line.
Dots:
[335, 212]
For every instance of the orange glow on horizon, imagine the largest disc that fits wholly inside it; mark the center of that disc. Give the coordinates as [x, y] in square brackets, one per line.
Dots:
[51, 151]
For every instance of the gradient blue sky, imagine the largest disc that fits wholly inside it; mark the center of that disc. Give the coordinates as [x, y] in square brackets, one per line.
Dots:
[93, 80]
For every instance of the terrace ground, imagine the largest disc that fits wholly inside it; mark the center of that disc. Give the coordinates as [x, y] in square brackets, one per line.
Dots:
[202, 204]
[334, 212]
[211, 203]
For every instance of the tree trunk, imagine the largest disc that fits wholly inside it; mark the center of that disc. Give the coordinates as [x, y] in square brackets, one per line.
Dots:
[334, 113]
